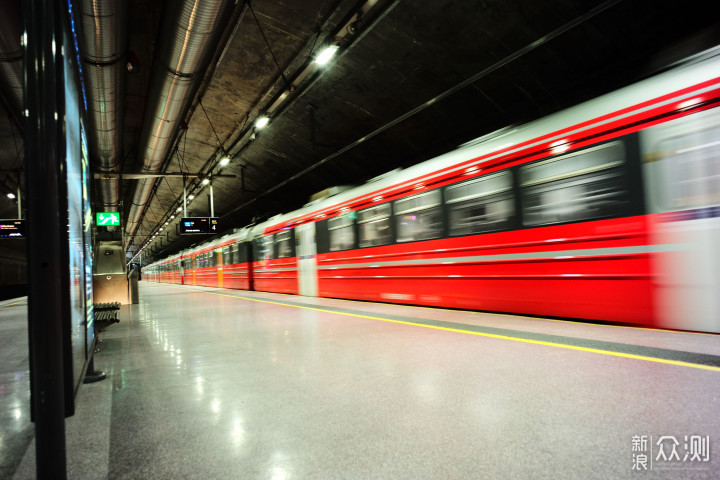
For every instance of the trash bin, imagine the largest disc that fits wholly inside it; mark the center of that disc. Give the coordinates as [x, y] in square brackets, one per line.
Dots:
[134, 286]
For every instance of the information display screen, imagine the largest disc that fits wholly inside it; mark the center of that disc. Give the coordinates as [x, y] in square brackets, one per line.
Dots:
[198, 225]
[194, 226]
[12, 228]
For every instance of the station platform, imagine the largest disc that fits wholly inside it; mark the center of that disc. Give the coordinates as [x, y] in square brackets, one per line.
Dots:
[206, 383]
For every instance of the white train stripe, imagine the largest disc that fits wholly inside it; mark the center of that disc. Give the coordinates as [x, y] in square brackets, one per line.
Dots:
[551, 255]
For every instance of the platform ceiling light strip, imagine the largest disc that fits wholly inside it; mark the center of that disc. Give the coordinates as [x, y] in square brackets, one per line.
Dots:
[480, 334]
[261, 122]
[325, 56]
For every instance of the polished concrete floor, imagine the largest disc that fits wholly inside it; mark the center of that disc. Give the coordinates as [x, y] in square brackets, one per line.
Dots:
[215, 384]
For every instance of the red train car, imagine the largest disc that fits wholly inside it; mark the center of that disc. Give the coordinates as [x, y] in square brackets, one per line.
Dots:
[607, 211]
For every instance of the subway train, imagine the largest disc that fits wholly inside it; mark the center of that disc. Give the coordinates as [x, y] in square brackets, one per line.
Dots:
[607, 211]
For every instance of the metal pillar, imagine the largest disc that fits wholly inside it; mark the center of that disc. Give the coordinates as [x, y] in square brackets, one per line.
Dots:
[184, 198]
[212, 202]
[46, 228]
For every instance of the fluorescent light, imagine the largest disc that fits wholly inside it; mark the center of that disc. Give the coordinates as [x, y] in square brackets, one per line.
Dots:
[11, 195]
[190, 197]
[261, 122]
[179, 209]
[224, 161]
[325, 56]
[205, 181]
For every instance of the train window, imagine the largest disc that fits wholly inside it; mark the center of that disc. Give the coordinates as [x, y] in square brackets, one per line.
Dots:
[233, 256]
[419, 217]
[580, 186]
[226, 255]
[481, 205]
[264, 248]
[283, 240]
[342, 232]
[691, 167]
[374, 226]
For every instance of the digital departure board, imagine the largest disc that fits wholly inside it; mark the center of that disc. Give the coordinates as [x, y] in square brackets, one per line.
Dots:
[12, 228]
[198, 225]
[193, 226]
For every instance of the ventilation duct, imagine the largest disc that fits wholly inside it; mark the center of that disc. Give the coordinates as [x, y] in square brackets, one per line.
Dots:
[104, 41]
[188, 38]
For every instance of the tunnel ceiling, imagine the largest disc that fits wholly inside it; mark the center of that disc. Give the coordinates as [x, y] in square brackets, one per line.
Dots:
[411, 79]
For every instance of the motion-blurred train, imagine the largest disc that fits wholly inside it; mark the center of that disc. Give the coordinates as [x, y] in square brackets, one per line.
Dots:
[607, 211]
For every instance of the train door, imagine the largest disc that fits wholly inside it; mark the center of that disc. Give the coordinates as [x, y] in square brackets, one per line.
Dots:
[307, 267]
[220, 264]
[682, 171]
[194, 269]
[248, 248]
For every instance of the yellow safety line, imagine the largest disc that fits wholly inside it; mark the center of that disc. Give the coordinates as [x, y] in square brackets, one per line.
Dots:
[14, 303]
[480, 334]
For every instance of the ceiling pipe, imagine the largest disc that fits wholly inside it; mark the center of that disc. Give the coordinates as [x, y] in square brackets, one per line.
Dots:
[104, 45]
[189, 36]
[11, 58]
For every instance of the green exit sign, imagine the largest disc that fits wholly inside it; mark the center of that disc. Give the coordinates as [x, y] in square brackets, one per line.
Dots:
[107, 219]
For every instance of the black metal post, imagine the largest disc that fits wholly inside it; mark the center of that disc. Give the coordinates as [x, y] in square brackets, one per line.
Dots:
[44, 147]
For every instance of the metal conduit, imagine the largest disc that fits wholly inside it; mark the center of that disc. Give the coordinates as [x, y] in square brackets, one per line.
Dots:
[104, 38]
[187, 40]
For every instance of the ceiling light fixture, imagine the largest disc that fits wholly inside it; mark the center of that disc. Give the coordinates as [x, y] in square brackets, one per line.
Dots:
[11, 195]
[190, 197]
[261, 122]
[205, 181]
[224, 161]
[325, 56]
